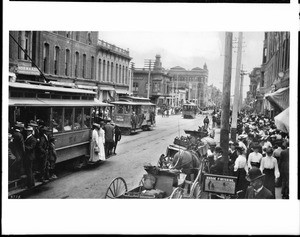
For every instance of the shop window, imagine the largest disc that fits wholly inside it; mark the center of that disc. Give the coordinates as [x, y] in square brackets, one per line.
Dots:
[57, 120]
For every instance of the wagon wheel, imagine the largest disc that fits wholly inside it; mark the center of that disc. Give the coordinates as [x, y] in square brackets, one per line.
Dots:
[116, 188]
[195, 190]
[177, 193]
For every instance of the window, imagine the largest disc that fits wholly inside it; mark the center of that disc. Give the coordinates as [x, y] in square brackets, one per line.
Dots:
[112, 71]
[92, 66]
[126, 75]
[56, 60]
[123, 75]
[119, 73]
[27, 44]
[108, 71]
[76, 63]
[77, 36]
[262, 82]
[68, 122]
[20, 43]
[135, 86]
[117, 68]
[67, 62]
[46, 57]
[86, 118]
[83, 65]
[78, 119]
[99, 69]
[57, 120]
[103, 73]
[68, 34]
[89, 38]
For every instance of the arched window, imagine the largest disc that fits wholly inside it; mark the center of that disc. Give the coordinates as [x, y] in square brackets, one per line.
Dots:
[83, 65]
[76, 64]
[108, 71]
[103, 72]
[46, 57]
[92, 66]
[117, 74]
[112, 72]
[99, 69]
[89, 38]
[67, 62]
[56, 60]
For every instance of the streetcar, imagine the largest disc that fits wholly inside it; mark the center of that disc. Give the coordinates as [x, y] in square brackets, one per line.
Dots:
[133, 113]
[67, 112]
[189, 110]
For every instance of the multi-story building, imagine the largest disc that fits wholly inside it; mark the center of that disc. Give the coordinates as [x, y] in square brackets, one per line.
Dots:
[214, 96]
[71, 58]
[160, 83]
[194, 81]
[274, 72]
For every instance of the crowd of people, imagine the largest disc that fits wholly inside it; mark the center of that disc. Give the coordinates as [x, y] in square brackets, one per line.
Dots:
[259, 158]
[31, 152]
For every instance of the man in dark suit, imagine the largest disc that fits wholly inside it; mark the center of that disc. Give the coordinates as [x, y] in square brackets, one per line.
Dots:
[217, 167]
[18, 150]
[109, 138]
[284, 171]
[117, 138]
[30, 144]
[256, 190]
[232, 156]
[43, 154]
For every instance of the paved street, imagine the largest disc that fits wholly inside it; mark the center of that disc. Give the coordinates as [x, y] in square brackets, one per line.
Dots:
[132, 153]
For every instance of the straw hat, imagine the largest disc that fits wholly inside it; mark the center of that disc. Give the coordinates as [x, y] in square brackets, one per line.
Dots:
[29, 128]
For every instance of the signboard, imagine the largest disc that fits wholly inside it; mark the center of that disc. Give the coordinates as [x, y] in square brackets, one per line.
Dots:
[220, 184]
[119, 118]
[28, 70]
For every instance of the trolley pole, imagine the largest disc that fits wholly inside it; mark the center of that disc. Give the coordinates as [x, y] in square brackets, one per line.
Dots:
[224, 133]
[237, 88]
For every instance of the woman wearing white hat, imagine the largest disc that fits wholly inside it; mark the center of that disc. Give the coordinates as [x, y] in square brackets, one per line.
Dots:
[95, 149]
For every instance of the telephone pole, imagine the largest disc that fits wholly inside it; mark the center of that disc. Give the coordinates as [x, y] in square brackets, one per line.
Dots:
[149, 63]
[237, 95]
[243, 73]
[224, 133]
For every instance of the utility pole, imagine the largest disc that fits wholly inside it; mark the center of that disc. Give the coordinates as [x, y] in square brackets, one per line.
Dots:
[237, 95]
[177, 93]
[224, 133]
[243, 73]
[148, 63]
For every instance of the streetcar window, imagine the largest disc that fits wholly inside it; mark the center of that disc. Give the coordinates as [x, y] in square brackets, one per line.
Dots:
[78, 119]
[126, 109]
[57, 120]
[86, 118]
[120, 109]
[68, 119]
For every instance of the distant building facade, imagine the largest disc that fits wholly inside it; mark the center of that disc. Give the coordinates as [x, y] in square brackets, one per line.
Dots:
[194, 81]
[160, 83]
[214, 96]
[72, 58]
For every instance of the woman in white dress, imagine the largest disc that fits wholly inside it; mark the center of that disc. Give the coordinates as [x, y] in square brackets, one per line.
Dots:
[95, 155]
[101, 135]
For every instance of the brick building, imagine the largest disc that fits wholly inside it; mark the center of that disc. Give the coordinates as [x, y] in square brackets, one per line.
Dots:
[72, 58]
[160, 87]
[273, 75]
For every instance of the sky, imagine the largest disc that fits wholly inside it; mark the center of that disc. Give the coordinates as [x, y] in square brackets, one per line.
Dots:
[189, 50]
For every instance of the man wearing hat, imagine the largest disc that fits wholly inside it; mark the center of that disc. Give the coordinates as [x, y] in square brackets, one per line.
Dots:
[18, 148]
[217, 167]
[109, 138]
[256, 190]
[30, 144]
[232, 155]
[43, 154]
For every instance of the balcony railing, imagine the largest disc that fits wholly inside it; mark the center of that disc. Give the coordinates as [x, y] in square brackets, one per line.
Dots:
[113, 48]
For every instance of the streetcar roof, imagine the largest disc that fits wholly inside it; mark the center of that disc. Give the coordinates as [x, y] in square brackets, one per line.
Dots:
[36, 102]
[124, 102]
[50, 88]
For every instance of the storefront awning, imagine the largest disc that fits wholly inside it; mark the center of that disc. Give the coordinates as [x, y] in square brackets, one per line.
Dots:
[282, 120]
[280, 98]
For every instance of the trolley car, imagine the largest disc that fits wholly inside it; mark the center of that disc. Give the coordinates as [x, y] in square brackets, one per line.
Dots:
[189, 110]
[68, 112]
[132, 113]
